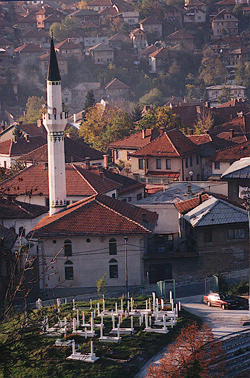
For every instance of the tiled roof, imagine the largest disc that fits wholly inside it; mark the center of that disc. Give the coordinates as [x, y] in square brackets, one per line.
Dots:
[233, 153]
[66, 44]
[148, 50]
[226, 2]
[74, 152]
[22, 146]
[171, 143]
[195, 3]
[12, 209]
[134, 141]
[101, 47]
[215, 211]
[150, 21]
[108, 11]
[79, 182]
[180, 34]
[34, 33]
[116, 84]
[200, 139]
[123, 6]
[83, 13]
[29, 47]
[220, 16]
[185, 206]
[161, 53]
[102, 3]
[97, 215]
[119, 37]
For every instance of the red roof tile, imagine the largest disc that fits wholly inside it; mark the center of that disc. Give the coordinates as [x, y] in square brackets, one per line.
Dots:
[184, 206]
[29, 47]
[171, 143]
[97, 215]
[234, 153]
[79, 182]
[22, 146]
[135, 141]
[116, 84]
[12, 209]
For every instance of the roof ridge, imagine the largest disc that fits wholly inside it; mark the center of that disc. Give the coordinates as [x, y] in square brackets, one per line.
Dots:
[88, 183]
[124, 216]
[173, 143]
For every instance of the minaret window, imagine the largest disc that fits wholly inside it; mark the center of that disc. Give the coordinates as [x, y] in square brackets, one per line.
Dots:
[67, 248]
[68, 270]
[54, 110]
[112, 247]
[113, 268]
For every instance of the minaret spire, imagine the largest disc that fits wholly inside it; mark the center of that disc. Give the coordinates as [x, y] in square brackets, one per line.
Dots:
[55, 121]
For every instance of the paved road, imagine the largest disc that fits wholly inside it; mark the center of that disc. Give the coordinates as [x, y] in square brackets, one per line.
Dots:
[222, 322]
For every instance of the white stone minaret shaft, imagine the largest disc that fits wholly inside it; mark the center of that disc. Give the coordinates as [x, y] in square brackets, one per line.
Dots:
[55, 122]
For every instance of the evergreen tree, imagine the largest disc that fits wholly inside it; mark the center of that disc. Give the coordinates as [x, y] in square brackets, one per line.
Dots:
[136, 113]
[89, 100]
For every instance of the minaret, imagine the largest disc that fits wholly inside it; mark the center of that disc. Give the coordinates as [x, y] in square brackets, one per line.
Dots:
[55, 121]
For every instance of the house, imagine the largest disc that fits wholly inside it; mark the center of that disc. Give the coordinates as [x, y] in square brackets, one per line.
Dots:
[165, 256]
[157, 60]
[224, 23]
[236, 92]
[12, 149]
[172, 155]
[62, 63]
[50, 20]
[118, 41]
[69, 49]
[147, 51]
[37, 37]
[98, 228]
[122, 148]
[102, 54]
[75, 98]
[28, 53]
[194, 12]
[32, 184]
[127, 11]
[139, 39]
[26, 23]
[226, 4]
[217, 230]
[173, 14]
[44, 12]
[31, 129]
[117, 91]
[237, 176]
[99, 5]
[183, 38]
[151, 26]
[239, 55]
[93, 41]
[86, 15]
[7, 45]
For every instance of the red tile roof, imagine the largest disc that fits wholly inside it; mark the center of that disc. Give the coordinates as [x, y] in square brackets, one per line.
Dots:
[234, 153]
[184, 206]
[29, 47]
[22, 146]
[97, 215]
[116, 84]
[79, 182]
[171, 143]
[200, 139]
[135, 141]
[180, 35]
[150, 21]
[12, 209]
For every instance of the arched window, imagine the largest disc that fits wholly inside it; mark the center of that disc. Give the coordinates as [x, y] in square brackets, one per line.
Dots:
[67, 248]
[112, 247]
[68, 269]
[113, 268]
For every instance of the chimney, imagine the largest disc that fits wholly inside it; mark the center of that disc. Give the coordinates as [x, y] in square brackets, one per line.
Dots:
[200, 198]
[231, 131]
[143, 133]
[75, 118]
[189, 189]
[105, 161]
[87, 160]
[162, 129]
[27, 137]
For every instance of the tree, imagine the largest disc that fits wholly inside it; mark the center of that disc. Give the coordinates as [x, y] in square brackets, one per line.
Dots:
[33, 109]
[225, 95]
[101, 128]
[204, 123]
[153, 97]
[160, 117]
[89, 100]
[136, 113]
[195, 353]
[212, 71]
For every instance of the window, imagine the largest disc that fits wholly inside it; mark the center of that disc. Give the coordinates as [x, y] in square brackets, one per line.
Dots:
[67, 248]
[198, 177]
[236, 233]
[140, 163]
[191, 160]
[158, 163]
[216, 165]
[207, 236]
[139, 197]
[68, 270]
[197, 159]
[113, 268]
[112, 246]
[168, 163]
[186, 162]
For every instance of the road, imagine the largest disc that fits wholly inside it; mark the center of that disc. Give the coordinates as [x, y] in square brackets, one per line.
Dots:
[222, 322]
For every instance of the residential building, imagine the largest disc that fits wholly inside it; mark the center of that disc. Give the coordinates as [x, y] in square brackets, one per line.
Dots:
[224, 23]
[118, 41]
[44, 12]
[173, 14]
[75, 98]
[37, 37]
[151, 26]
[139, 39]
[236, 92]
[195, 12]
[117, 91]
[102, 54]
[157, 60]
[86, 15]
[28, 53]
[69, 49]
[183, 38]
[26, 23]
[99, 5]
[172, 155]
[93, 41]
[62, 63]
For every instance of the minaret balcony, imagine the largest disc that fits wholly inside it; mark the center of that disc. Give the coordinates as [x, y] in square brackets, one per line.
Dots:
[55, 117]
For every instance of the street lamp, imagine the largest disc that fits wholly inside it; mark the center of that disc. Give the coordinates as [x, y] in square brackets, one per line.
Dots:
[126, 264]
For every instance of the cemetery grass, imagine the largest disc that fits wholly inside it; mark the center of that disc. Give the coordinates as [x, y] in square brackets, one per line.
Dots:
[26, 352]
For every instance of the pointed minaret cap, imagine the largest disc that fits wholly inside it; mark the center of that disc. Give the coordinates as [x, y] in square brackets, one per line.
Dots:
[53, 70]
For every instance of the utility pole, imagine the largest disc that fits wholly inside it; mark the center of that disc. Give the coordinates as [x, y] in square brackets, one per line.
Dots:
[126, 264]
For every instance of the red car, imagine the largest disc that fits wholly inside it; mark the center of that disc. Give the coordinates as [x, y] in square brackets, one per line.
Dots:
[225, 301]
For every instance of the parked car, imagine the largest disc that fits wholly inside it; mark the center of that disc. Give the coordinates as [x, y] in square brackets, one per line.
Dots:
[223, 300]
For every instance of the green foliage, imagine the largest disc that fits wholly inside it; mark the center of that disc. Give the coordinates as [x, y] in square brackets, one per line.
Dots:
[101, 284]
[99, 128]
[204, 123]
[212, 71]
[33, 109]
[153, 97]
[160, 117]
[241, 288]
[61, 30]
[225, 95]
[89, 100]
[136, 113]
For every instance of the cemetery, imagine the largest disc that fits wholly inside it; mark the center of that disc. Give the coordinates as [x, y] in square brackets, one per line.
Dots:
[99, 338]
